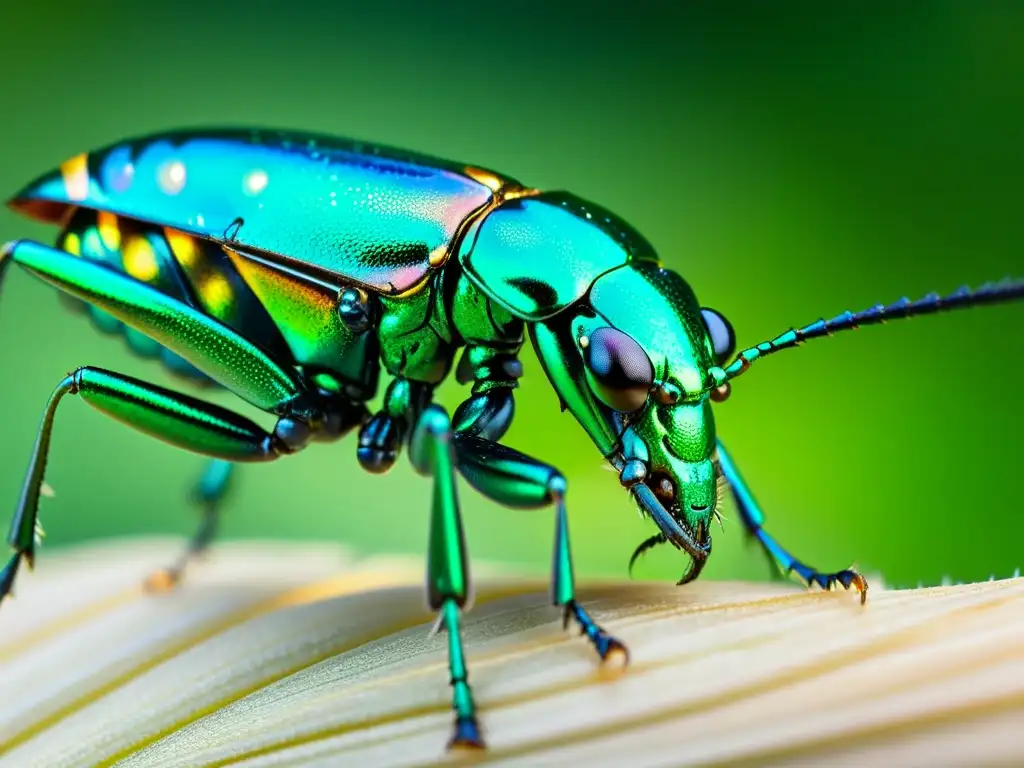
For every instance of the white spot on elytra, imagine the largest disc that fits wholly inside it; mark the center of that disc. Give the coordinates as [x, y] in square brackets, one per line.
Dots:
[171, 177]
[255, 181]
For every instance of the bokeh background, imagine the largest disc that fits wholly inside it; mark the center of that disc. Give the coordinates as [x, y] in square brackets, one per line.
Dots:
[790, 159]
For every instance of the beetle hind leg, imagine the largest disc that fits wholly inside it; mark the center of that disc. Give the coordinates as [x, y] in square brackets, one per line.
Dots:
[238, 364]
[175, 418]
[753, 520]
[209, 494]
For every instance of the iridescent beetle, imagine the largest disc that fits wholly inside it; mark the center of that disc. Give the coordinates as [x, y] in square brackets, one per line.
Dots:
[287, 267]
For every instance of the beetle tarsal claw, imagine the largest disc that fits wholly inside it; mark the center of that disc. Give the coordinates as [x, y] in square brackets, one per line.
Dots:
[467, 735]
[615, 656]
[827, 581]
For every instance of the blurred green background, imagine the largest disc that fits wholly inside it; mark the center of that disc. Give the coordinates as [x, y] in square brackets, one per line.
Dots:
[790, 160]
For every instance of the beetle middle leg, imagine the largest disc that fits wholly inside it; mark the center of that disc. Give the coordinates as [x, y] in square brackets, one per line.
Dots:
[448, 582]
[753, 520]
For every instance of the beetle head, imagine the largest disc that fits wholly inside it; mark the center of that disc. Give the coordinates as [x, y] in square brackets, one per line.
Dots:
[631, 362]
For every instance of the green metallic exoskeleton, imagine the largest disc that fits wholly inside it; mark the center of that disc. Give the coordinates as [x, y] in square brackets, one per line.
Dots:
[289, 268]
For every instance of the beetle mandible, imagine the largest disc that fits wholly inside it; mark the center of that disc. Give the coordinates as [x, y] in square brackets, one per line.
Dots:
[289, 267]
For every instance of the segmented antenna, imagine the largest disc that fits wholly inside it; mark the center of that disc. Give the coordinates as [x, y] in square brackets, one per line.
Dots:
[1009, 289]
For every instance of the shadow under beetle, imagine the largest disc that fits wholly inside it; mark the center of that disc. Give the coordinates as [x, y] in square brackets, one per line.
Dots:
[287, 268]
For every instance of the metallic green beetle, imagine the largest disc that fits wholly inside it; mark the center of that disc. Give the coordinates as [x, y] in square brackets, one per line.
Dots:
[288, 267]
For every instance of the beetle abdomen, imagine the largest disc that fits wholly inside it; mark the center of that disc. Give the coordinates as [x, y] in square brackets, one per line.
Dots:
[194, 272]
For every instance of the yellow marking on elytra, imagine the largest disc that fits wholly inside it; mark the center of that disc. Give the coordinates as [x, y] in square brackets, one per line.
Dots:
[75, 173]
[184, 247]
[73, 244]
[140, 259]
[215, 291]
[110, 232]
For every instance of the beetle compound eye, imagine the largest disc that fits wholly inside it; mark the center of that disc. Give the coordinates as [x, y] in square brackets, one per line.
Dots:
[663, 488]
[723, 339]
[619, 371]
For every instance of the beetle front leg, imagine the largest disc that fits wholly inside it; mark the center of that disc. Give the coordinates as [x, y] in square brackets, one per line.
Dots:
[448, 581]
[753, 520]
[511, 478]
[175, 418]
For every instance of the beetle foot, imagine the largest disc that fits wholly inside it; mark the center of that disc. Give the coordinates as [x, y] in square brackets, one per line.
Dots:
[607, 646]
[378, 443]
[163, 580]
[7, 575]
[466, 734]
[827, 581]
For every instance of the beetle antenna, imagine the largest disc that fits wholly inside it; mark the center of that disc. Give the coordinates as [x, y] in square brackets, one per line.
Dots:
[1009, 289]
